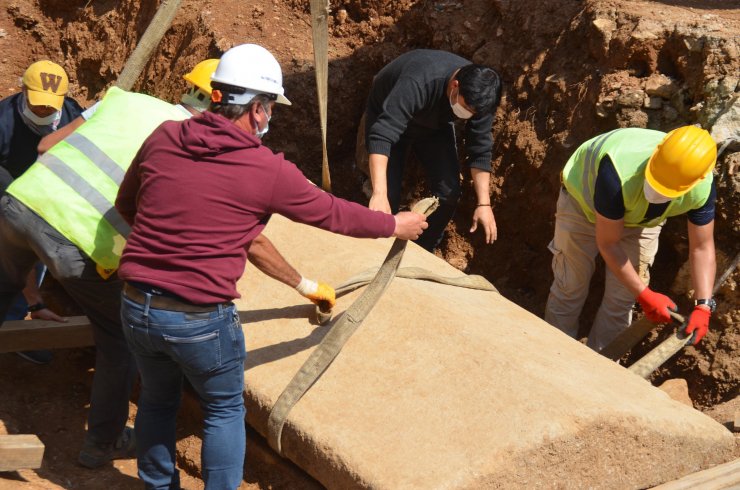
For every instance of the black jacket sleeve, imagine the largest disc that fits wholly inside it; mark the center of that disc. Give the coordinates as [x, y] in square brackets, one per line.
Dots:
[399, 107]
[479, 142]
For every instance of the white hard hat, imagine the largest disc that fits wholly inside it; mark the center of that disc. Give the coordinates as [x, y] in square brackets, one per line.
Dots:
[251, 67]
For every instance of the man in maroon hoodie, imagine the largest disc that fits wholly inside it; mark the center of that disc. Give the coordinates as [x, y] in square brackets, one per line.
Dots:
[184, 257]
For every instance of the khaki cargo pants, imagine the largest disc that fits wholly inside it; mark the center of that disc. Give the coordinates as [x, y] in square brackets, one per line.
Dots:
[574, 250]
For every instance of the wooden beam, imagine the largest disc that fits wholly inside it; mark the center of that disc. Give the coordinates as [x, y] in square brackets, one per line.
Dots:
[21, 335]
[724, 476]
[20, 451]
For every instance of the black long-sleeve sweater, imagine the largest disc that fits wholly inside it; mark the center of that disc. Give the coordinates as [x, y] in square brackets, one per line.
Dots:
[411, 90]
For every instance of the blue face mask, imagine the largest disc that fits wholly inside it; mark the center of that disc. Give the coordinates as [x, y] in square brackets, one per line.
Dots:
[262, 132]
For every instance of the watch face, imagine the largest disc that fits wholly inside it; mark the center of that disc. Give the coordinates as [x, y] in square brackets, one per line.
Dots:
[711, 303]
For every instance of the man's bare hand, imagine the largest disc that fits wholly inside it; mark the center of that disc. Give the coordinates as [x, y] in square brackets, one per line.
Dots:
[484, 216]
[409, 225]
[47, 314]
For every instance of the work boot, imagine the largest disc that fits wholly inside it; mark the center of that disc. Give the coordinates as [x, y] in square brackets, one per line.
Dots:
[37, 356]
[96, 455]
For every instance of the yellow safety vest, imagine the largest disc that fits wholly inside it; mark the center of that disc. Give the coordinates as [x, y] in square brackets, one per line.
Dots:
[73, 186]
[629, 149]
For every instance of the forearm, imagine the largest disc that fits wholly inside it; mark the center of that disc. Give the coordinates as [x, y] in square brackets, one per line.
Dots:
[31, 291]
[378, 173]
[482, 185]
[265, 257]
[622, 268]
[702, 260]
[608, 235]
[53, 138]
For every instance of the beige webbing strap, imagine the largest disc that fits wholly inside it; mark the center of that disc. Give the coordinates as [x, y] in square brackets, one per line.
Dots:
[656, 357]
[627, 339]
[319, 33]
[332, 343]
[468, 281]
[363, 278]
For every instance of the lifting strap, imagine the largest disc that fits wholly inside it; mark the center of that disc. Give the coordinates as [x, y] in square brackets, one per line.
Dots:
[627, 339]
[656, 357]
[319, 33]
[632, 335]
[472, 281]
[340, 332]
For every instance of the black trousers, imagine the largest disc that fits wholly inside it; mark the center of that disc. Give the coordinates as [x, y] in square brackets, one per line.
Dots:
[436, 151]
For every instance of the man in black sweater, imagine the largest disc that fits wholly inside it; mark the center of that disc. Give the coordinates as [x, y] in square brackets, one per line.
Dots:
[413, 104]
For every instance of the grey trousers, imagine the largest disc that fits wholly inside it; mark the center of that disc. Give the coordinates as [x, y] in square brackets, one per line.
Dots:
[26, 238]
[574, 250]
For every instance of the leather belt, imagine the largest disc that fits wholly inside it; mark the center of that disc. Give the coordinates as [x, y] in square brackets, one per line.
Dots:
[167, 303]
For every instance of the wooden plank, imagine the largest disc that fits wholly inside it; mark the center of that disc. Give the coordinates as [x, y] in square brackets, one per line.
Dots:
[721, 477]
[20, 451]
[21, 335]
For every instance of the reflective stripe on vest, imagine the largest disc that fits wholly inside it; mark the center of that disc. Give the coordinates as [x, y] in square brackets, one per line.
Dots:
[74, 185]
[97, 156]
[629, 150]
[88, 192]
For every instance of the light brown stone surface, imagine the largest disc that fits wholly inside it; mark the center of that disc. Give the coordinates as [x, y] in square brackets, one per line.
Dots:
[449, 388]
[678, 389]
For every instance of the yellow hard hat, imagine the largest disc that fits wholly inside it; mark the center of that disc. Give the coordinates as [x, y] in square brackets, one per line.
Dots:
[684, 157]
[200, 76]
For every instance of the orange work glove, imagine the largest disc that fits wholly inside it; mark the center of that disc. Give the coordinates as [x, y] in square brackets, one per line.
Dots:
[318, 292]
[698, 324]
[656, 305]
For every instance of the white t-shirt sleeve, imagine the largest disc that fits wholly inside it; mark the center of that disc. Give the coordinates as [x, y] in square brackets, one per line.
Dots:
[88, 113]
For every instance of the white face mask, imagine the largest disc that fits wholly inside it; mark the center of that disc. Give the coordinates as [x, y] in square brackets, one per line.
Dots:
[40, 125]
[653, 196]
[458, 109]
[262, 132]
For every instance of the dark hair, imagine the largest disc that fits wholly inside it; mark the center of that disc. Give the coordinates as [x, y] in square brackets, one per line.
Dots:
[235, 111]
[480, 86]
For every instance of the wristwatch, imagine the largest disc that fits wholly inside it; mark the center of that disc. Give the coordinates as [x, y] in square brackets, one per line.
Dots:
[711, 303]
[38, 306]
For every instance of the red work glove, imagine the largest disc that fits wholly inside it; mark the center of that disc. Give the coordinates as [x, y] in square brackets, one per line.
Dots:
[698, 324]
[656, 306]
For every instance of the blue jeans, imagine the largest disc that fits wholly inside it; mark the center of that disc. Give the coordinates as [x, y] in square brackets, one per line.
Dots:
[208, 349]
